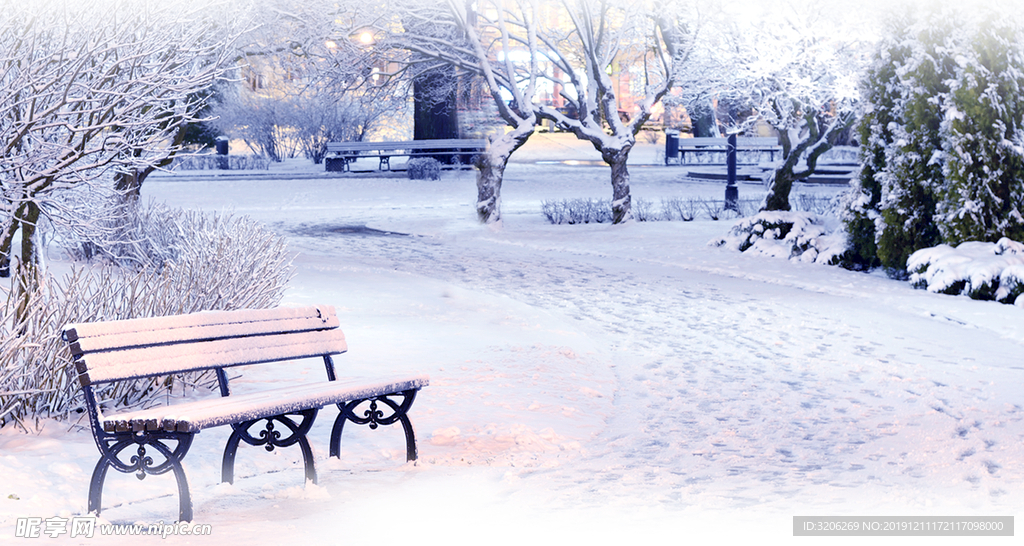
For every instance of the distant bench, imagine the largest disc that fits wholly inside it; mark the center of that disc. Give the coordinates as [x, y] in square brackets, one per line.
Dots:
[677, 150]
[127, 350]
[340, 154]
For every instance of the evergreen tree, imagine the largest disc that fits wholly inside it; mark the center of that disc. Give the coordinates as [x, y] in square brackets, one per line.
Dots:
[983, 197]
[942, 158]
[880, 95]
[913, 164]
[895, 197]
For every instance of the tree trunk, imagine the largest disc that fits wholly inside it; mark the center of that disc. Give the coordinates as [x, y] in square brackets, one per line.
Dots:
[779, 187]
[29, 222]
[491, 165]
[25, 217]
[703, 123]
[128, 185]
[820, 137]
[6, 246]
[621, 200]
[28, 268]
[435, 111]
[488, 187]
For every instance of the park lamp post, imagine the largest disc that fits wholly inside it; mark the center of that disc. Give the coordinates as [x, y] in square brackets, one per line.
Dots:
[365, 39]
[732, 193]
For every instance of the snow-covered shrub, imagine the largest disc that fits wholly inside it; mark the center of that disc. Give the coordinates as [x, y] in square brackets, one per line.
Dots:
[983, 271]
[679, 208]
[578, 211]
[714, 209]
[202, 162]
[124, 233]
[155, 236]
[748, 207]
[220, 263]
[817, 204]
[797, 236]
[643, 211]
[686, 209]
[423, 168]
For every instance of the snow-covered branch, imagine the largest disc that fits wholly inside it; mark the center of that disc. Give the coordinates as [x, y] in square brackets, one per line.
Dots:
[796, 72]
[88, 87]
[606, 43]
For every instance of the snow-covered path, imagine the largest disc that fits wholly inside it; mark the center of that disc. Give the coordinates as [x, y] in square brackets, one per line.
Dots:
[595, 382]
[728, 394]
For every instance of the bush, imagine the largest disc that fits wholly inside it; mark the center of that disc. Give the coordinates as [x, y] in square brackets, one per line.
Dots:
[982, 271]
[201, 162]
[685, 209]
[423, 168]
[578, 211]
[125, 234]
[797, 236]
[217, 262]
[941, 160]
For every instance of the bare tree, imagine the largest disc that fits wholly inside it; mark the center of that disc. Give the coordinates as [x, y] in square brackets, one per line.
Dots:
[795, 69]
[496, 41]
[325, 117]
[280, 120]
[653, 38]
[519, 46]
[306, 76]
[89, 87]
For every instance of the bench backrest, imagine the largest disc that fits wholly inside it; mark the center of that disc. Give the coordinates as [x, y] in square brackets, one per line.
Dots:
[741, 142]
[128, 349]
[457, 143]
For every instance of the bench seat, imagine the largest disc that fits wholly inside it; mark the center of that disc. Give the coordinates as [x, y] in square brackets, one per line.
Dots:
[237, 408]
[346, 152]
[155, 440]
[678, 148]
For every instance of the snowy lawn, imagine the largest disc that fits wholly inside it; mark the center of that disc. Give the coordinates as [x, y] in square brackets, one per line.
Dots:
[589, 383]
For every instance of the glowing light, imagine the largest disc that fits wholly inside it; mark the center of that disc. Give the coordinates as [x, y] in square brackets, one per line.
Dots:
[366, 38]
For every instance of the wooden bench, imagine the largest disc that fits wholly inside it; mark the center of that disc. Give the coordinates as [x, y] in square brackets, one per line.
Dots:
[703, 145]
[124, 350]
[341, 154]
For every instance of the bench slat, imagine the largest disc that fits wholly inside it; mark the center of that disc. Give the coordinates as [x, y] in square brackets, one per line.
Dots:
[167, 359]
[199, 415]
[118, 334]
[447, 144]
[741, 142]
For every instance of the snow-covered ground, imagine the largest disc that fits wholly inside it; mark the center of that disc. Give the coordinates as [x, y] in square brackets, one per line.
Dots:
[589, 384]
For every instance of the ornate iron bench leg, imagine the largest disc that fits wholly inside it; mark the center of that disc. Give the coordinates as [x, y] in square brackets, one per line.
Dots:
[270, 438]
[374, 417]
[142, 464]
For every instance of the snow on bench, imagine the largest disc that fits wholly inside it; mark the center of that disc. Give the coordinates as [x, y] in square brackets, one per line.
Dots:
[676, 149]
[343, 153]
[125, 350]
